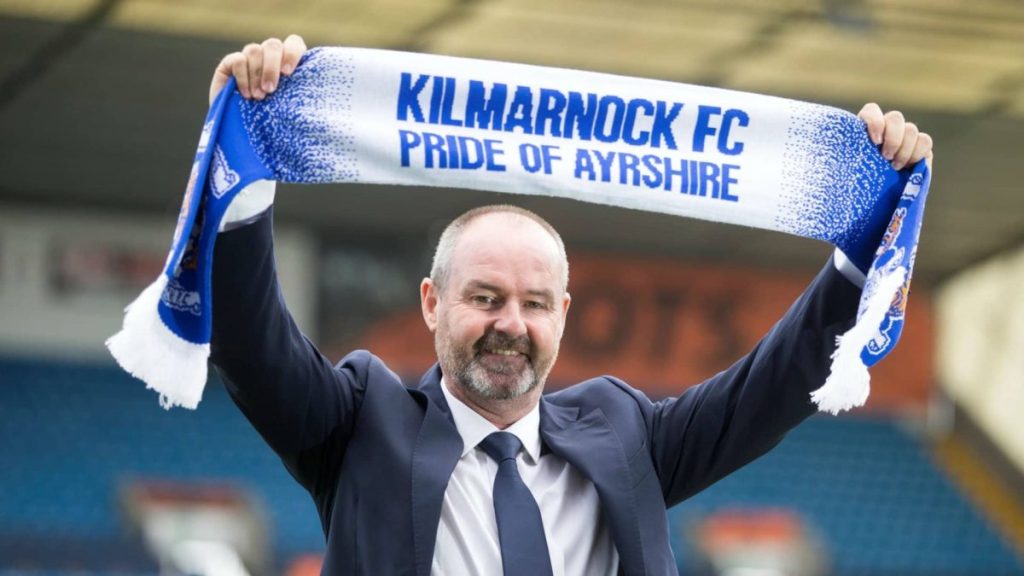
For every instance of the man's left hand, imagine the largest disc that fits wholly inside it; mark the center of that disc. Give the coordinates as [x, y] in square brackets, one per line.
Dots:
[902, 143]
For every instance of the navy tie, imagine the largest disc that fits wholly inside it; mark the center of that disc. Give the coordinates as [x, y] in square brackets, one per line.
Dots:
[524, 550]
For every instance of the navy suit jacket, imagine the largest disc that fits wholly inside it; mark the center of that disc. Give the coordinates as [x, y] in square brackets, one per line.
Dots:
[376, 456]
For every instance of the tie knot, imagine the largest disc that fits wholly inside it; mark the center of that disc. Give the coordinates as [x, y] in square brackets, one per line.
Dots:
[501, 446]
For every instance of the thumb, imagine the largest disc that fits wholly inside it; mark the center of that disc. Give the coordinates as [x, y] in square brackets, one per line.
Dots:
[223, 73]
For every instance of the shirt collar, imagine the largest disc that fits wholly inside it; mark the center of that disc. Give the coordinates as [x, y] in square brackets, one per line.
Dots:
[474, 428]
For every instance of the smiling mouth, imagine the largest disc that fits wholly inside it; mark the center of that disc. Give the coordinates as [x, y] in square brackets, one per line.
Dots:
[505, 352]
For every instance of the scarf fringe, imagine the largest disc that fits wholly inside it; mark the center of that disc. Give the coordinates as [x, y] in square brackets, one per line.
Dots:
[148, 350]
[849, 383]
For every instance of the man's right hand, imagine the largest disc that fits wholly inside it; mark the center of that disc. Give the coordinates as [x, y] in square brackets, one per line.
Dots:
[258, 67]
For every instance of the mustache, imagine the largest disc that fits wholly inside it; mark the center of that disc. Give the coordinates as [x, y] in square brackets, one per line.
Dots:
[494, 340]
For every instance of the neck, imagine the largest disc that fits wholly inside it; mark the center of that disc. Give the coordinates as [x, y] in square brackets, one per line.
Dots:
[501, 413]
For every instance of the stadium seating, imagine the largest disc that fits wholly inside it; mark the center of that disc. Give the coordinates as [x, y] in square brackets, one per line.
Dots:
[72, 433]
[874, 496]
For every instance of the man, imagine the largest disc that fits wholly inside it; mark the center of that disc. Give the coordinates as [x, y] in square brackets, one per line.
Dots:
[473, 471]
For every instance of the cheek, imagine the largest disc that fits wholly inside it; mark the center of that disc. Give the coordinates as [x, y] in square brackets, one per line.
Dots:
[547, 334]
[464, 327]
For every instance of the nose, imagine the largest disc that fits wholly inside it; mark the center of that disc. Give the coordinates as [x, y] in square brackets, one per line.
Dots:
[509, 320]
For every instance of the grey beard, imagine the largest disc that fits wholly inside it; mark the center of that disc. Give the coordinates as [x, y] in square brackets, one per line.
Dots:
[468, 372]
[475, 377]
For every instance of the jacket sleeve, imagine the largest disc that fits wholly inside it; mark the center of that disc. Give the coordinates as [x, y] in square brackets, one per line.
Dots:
[741, 413]
[301, 405]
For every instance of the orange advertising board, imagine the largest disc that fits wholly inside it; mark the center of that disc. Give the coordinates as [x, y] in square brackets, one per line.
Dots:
[663, 326]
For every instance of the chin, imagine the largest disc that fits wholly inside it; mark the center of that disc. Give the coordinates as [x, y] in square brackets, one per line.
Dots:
[500, 387]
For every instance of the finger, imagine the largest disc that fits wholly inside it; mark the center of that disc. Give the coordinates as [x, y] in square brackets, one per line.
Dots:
[272, 49]
[928, 159]
[893, 136]
[240, 70]
[224, 71]
[923, 148]
[907, 146]
[294, 48]
[871, 114]
[254, 62]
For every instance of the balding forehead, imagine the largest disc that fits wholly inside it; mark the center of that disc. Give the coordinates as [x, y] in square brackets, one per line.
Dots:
[504, 227]
[497, 228]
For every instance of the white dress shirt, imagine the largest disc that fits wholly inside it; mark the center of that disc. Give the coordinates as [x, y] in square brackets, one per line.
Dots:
[579, 541]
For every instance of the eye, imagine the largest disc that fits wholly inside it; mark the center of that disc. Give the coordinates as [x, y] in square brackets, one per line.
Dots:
[536, 305]
[483, 300]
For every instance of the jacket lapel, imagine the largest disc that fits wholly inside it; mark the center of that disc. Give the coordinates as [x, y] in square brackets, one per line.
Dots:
[590, 444]
[437, 451]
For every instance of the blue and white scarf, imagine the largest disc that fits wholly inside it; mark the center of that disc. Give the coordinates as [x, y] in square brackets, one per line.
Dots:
[372, 116]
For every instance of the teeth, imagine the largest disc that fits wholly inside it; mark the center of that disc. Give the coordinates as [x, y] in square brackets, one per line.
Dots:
[505, 352]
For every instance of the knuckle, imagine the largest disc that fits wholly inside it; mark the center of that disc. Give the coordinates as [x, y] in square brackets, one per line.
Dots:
[251, 49]
[894, 115]
[272, 43]
[911, 128]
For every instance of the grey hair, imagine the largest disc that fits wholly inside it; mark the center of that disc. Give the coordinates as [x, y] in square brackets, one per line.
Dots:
[440, 271]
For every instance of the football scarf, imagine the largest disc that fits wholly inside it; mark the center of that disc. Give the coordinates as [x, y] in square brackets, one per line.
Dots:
[374, 116]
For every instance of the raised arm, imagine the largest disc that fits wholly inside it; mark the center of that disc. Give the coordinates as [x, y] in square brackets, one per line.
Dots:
[741, 413]
[299, 403]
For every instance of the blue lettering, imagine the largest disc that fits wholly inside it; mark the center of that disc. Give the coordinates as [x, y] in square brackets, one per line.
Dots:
[579, 115]
[727, 179]
[453, 151]
[447, 103]
[484, 112]
[629, 134]
[464, 152]
[731, 117]
[653, 164]
[433, 144]
[681, 172]
[549, 111]
[409, 140]
[435, 99]
[709, 179]
[491, 147]
[606, 164]
[548, 151]
[584, 164]
[662, 128]
[529, 155]
[409, 96]
[704, 128]
[520, 112]
[604, 132]
[628, 165]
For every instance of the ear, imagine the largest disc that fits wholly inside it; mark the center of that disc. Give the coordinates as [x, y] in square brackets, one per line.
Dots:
[428, 303]
[566, 300]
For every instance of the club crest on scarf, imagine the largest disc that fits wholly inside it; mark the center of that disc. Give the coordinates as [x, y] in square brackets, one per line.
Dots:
[222, 177]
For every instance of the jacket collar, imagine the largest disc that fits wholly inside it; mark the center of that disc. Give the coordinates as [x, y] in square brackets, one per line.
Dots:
[435, 454]
[578, 438]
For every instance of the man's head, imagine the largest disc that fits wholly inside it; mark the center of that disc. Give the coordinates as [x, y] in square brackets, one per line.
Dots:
[496, 302]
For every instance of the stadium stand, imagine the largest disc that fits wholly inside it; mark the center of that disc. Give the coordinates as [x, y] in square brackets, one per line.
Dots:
[72, 433]
[872, 491]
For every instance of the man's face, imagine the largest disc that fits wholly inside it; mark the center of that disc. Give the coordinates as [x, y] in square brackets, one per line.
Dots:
[498, 320]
